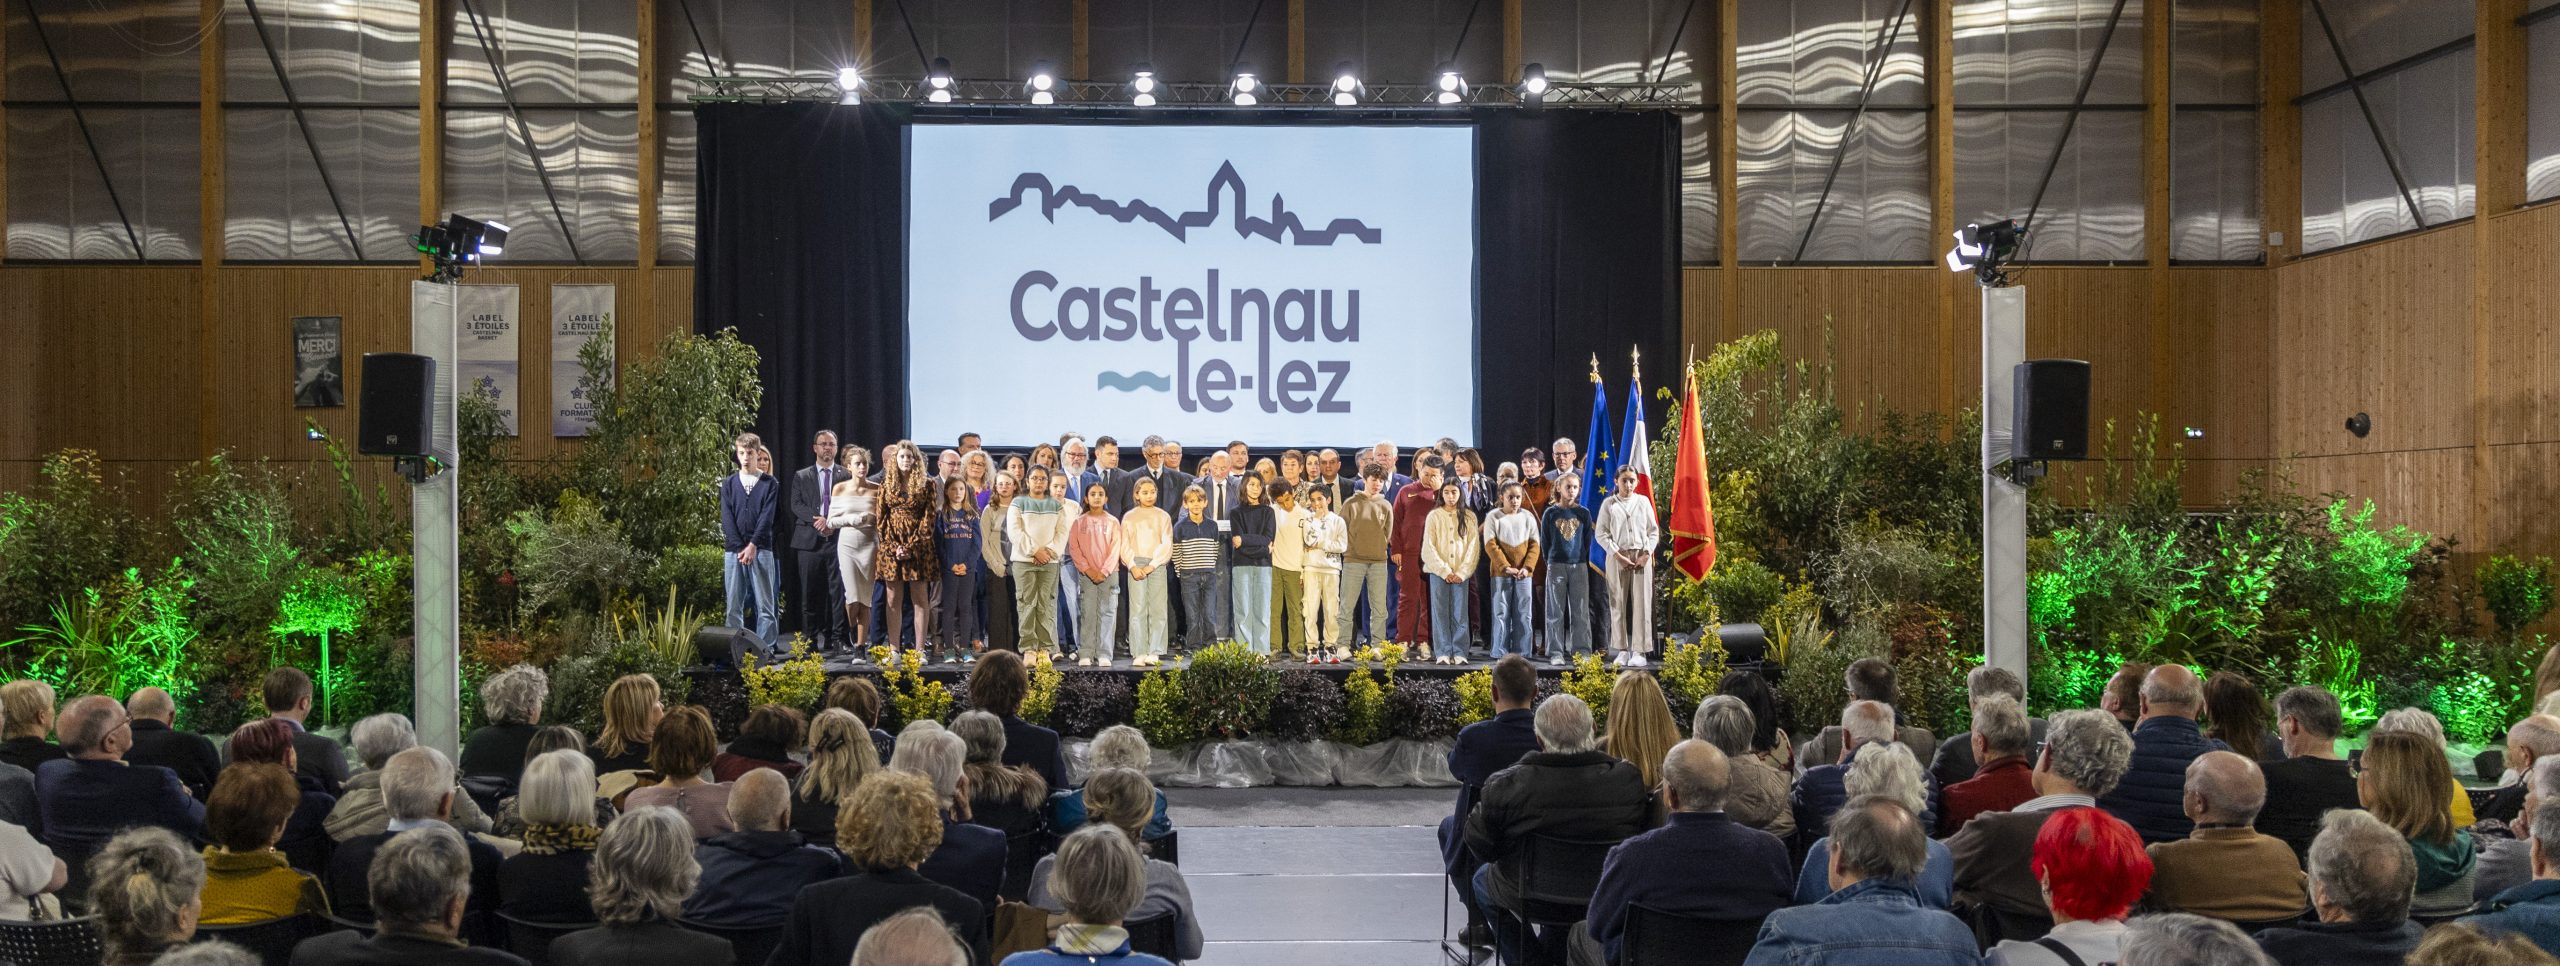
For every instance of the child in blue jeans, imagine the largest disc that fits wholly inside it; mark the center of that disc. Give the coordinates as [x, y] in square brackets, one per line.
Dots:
[956, 528]
[1196, 563]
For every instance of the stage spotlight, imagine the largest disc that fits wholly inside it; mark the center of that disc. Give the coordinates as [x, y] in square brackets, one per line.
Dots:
[1247, 90]
[1142, 86]
[848, 85]
[2195, 432]
[937, 82]
[1984, 249]
[459, 242]
[1453, 86]
[1346, 86]
[1043, 84]
[1533, 83]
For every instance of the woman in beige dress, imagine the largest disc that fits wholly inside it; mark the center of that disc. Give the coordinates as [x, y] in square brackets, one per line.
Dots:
[850, 511]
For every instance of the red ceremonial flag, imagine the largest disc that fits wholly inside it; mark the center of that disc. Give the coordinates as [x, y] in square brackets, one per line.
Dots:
[1693, 515]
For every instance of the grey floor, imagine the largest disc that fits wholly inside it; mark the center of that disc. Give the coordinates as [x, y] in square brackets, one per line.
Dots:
[1315, 876]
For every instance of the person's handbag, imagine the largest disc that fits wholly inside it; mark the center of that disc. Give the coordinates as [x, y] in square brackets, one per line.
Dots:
[1018, 928]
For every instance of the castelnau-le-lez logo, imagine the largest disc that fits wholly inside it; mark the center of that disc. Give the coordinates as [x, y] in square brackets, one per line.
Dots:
[1225, 195]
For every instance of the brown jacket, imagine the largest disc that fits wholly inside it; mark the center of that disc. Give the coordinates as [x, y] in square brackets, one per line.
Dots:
[2234, 874]
[1994, 854]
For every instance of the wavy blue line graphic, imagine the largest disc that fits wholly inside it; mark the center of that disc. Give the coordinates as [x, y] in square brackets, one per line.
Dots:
[1282, 220]
[1132, 382]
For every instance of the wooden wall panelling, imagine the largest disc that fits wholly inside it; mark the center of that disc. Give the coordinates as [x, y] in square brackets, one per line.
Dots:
[1873, 325]
[2520, 345]
[1701, 301]
[2380, 329]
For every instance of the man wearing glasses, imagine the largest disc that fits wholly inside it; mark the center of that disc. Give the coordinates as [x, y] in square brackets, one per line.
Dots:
[87, 798]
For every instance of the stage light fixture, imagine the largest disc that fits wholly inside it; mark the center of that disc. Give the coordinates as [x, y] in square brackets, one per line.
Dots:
[937, 82]
[1983, 249]
[1533, 83]
[458, 243]
[1246, 91]
[848, 85]
[2195, 432]
[1142, 86]
[1043, 84]
[1453, 85]
[1346, 86]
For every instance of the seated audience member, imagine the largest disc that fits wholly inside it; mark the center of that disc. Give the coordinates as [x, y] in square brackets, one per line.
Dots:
[2093, 868]
[2457, 944]
[88, 798]
[998, 687]
[857, 695]
[1482, 749]
[2529, 741]
[288, 694]
[1122, 799]
[26, 716]
[306, 837]
[29, 877]
[841, 755]
[2532, 909]
[916, 937]
[1121, 746]
[2123, 696]
[750, 876]
[2151, 797]
[2362, 875]
[2312, 778]
[1771, 748]
[360, 810]
[2238, 712]
[1821, 789]
[1756, 794]
[420, 885]
[2005, 778]
[632, 710]
[2084, 754]
[2180, 939]
[547, 882]
[1885, 769]
[416, 787]
[971, 858]
[211, 952]
[1868, 679]
[2406, 782]
[885, 829]
[2506, 863]
[246, 878]
[678, 752]
[1642, 732]
[509, 823]
[1873, 916]
[1004, 797]
[644, 869]
[1956, 760]
[512, 701]
[1659, 869]
[156, 742]
[772, 732]
[1569, 789]
[1099, 882]
[18, 797]
[2423, 723]
[2227, 869]
[145, 889]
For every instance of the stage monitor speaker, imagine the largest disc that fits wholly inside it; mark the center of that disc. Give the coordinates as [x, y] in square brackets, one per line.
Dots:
[720, 645]
[396, 414]
[1743, 643]
[2052, 404]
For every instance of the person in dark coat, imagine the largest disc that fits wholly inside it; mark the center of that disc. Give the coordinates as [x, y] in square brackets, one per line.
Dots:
[1824, 788]
[644, 869]
[155, 742]
[26, 716]
[2532, 909]
[998, 687]
[1571, 790]
[2152, 796]
[750, 876]
[288, 694]
[1955, 760]
[417, 791]
[2363, 878]
[1484, 748]
[886, 828]
[512, 699]
[772, 732]
[547, 882]
[419, 883]
[87, 798]
[1659, 869]
[2312, 778]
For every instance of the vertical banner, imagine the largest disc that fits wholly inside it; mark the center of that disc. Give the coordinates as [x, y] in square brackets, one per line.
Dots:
[579, 313]
[319, 366]
[489, 351]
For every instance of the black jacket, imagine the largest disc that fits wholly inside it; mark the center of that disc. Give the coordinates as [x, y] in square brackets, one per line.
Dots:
[546, 888]
[2152, 795]
[971, 859]
[189, 754]
[830, 917]
[805, 496]
[653, 943]
[750, 878]
[351, 948]
[1487, 747]
[1577, 795]
[497, 750]
[2341, 944]
[28, 752]
[346, 876]
[1035, 747]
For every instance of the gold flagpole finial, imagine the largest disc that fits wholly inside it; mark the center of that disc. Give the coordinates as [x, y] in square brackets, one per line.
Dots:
[1635, 362]
[1595, 367]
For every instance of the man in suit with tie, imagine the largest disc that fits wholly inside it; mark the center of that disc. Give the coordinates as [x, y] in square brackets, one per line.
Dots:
[1219, 479]
[813, 543]
[1327, 476]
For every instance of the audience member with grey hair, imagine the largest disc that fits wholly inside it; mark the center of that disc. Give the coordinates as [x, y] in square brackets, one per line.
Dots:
[1567, 789]
[1885, 770]
[2313, 777]
[360, 811]
[939, 756]
[2225, 869]
[1098, 879]
[1659, 869]
[2532, 908]
[2085, 753]
[157, 741]
[1873, 915]
[86, 799]
[412, 788]
[644, 869]
[144, 892]
[1757, 796]
[916, 937]
[1956, 759]
[211, 952]
[1823, 788]
[420, 885]
[2506, 863]
[1118, 746]
[750, 876]
[2363, 877]
[1868, 679]
[2184, 939]
[2528, 741]
[547, 882]
[512, 699]
[2005, 778]
[1121, 800]
[2152, 793]
[971, 857]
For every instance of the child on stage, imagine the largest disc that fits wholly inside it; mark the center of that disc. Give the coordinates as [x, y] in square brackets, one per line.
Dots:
[995, 583]
[1250, 574]
[1629, 532]
[1093, 542]
[1288, 562]
[961, 548]
[1511, 552]
[1036, 525]
[1562, 531]
[1146, 548]
[1324, 542]
[1449, 555]
[1195, 567]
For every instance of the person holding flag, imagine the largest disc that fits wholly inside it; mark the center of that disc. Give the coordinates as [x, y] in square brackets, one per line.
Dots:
[1693, 515]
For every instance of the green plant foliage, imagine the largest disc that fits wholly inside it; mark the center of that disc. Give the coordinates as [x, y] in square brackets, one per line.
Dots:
[1475, 696]
[2066, 678]
[573, 557]
[1364, 696]
[1228, 690]
[63, 537]
[1812, 691]
[1742, 591]
[1042, 700]
[1688, 673]
[1309, 707]
[236, 527]
[1088, 703]
[796, 681]
[2518, 592]
[1591, 679]
[2338, 667]
[129, 634]
[915, 698]
[2372, 565]
[1162, 714]
[322, 604]
[666, 632]
[1425, 709]
[694, 571]
[2470, 706]
[662, 433]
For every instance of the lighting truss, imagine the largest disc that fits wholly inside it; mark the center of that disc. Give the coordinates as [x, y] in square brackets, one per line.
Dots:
[1180, 96]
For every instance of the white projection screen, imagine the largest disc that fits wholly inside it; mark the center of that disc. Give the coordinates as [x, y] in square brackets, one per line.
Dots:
[1286, 285]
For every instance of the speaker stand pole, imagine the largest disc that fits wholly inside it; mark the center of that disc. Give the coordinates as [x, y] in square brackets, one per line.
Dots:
[435, 317]
[2004, 500]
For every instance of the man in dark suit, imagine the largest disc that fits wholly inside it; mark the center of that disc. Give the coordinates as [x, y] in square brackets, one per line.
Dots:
[750, 876]
[417, 791]
[288, 695]
[1659, 869]
[1106, 471]
[1326, 474]
[821, 588]
[420, 885]
[85, 799]
[1484, 748]
[155, 742]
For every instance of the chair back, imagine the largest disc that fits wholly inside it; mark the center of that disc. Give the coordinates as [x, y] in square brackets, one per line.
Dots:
[487, 791]
[532, 940]
[1993, 926]
[1558, 875]
[273, 939]
[1657, 938]
[1168, 848]
[1155, 935]
[751, 944]
[61, 942]
[2254, 927]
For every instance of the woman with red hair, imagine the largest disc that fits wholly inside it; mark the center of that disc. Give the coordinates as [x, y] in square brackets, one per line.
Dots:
[2093, 868]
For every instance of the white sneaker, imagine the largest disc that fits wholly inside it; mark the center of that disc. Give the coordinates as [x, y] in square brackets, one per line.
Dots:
[1635, 660]
[1084, 662]
[1556, 659]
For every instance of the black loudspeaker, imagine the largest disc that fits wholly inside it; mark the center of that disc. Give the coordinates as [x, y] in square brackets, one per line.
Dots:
[396, 414]
[2052, 410]
[1743, 643]
[720, 645]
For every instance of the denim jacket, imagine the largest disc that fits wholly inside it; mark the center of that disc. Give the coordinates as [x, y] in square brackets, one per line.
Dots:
[1874, 922]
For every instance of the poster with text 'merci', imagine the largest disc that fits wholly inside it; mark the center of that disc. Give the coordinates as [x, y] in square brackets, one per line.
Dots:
[1307, 285]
